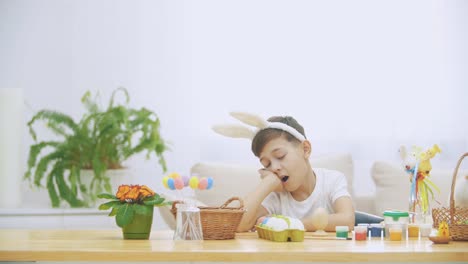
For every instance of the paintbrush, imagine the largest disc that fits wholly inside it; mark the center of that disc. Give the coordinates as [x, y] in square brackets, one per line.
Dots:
[328, 238]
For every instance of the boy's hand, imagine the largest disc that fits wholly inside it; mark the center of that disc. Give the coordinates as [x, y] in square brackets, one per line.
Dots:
[272, 179]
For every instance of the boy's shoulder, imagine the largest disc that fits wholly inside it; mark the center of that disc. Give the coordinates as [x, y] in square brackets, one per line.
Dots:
[328, 172]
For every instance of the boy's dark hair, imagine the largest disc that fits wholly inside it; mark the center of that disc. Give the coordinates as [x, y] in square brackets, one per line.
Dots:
[266, 135]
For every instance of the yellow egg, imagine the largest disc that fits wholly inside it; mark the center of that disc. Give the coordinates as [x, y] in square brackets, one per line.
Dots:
[174, 175]
[164, 181]
[193, 182]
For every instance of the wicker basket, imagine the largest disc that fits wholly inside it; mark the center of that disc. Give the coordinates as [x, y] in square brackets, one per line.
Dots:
[456, 217]
[219, 222]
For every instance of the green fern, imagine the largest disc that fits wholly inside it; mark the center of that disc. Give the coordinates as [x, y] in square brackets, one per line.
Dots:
[100, 140]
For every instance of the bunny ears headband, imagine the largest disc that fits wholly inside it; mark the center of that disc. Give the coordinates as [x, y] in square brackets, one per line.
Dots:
[239, 131]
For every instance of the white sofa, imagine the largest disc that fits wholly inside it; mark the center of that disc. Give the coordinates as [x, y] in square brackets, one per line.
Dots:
[391, 184]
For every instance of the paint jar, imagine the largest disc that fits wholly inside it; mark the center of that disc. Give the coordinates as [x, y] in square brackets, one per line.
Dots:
[360, 232]
[413, 230]
[376, 230]
[396, 218]
[395, 233]
[342, 231]
[425, 229]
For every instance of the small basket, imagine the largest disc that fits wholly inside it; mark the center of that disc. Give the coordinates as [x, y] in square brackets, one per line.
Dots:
[455, 217]
[218, 223]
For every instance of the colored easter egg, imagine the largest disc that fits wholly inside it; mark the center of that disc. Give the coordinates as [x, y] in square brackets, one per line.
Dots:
[193, 182]
[203, 183]
[260, 220]
[210, 183]
[179, 183]
[186, 180]
[164, 181]
[174, 175]
[170, 183]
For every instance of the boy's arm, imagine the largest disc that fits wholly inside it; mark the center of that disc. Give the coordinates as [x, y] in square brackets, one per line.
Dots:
[253, 201]
[343, 216]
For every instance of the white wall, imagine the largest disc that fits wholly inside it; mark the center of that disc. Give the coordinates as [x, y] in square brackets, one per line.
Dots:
[362, 76]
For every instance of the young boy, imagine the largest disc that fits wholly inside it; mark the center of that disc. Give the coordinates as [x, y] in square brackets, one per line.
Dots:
[289, 185]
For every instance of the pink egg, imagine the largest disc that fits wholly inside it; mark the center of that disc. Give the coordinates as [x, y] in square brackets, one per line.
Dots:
[203, 183]
[179, 183]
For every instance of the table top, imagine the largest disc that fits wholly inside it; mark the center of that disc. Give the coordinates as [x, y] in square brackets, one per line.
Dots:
[108, 245]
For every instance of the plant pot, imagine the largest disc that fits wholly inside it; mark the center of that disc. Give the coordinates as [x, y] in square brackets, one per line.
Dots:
[140, 227]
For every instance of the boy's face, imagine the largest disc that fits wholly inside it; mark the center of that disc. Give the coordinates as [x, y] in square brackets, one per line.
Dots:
[288, 160]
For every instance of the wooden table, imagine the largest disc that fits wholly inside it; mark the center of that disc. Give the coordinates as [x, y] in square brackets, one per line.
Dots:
[108, 245]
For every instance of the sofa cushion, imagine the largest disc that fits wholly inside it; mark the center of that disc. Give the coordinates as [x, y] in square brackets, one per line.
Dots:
[238, 180]
[392, 186]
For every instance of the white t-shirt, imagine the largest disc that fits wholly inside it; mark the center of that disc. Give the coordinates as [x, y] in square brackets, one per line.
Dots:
[330, 186]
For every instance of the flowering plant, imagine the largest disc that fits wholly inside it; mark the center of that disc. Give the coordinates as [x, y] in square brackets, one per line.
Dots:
[130, 200]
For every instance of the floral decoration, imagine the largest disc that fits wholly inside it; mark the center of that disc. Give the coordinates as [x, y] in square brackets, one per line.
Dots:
[130, 200]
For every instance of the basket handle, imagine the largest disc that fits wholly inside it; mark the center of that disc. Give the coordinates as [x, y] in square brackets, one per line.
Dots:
[452, 190]
[241, 202]
[174, 209]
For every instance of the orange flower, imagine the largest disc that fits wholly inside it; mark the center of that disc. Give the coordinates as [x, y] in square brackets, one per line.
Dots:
[122, 191]
[133, 193]
[145, 191]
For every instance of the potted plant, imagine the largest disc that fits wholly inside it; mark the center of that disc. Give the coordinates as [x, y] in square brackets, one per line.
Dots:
[101, 140]
[133, 207]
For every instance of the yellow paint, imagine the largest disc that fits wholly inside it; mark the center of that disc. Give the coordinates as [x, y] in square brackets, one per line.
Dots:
[395, 234]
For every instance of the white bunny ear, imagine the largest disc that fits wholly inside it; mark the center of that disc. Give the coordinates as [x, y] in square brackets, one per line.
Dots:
[235, 131]
[250, 119]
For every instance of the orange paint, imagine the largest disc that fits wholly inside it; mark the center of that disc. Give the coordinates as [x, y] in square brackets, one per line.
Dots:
[413, 230]
[395, 234]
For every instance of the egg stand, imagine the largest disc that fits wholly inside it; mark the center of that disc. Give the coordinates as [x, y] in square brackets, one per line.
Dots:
[320, 221]
[188, 224]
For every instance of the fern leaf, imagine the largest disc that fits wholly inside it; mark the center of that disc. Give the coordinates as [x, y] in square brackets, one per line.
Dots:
[64, 190]
[122, 89]
[73, 181]
[35, 150]
[54, 198]
[43, 164]
[88, 103]
[54, 117]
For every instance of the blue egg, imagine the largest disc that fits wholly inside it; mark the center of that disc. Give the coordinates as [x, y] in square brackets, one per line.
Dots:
[210, 183]
[170, 183]
[265, 220]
